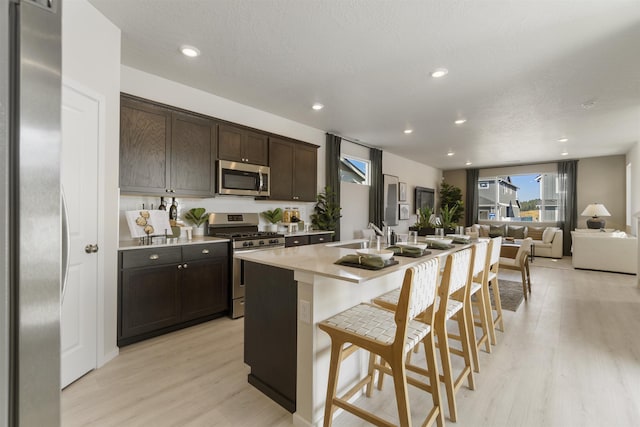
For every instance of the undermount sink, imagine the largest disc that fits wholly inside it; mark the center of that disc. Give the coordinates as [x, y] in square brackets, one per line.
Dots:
[353, 245]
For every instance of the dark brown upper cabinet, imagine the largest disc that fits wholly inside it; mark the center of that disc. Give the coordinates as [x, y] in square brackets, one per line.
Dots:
[293, 170]
[237, 144]
[163, 151]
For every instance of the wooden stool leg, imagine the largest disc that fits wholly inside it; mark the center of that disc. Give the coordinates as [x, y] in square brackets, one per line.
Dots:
[466, 346]
[334, 371]
[472, 335]
[528, 276]
[523, 273]
[484, 321]
[447, 373]
[434, 378]
[496, 298]
[400, 384]
[490, 323]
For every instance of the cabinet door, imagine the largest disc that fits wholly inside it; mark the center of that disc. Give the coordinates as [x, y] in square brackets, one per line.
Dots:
[305, 173]
[256, 148]
[230, 143]
[149, 299]
[192, 155]
[281, 164]
[145, 132]
[204, 288]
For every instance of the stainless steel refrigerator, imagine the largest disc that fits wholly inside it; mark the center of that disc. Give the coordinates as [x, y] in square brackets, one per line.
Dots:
[31, 242]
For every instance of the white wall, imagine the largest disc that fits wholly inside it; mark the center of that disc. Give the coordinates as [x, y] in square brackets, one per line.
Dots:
[415, 175]
[633, 158]
[91, 57]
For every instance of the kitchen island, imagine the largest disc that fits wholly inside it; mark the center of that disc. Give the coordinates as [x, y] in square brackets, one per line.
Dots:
[288, 292]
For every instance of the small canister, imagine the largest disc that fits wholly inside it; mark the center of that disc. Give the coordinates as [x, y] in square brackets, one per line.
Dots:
[286, 215]
[295, 213]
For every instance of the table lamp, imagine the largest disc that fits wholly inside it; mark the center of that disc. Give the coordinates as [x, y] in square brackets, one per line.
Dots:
[595, 211]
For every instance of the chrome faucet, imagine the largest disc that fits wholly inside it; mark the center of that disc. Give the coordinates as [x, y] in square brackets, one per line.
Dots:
[376, 229]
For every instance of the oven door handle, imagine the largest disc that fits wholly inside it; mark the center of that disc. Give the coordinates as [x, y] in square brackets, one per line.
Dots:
[261, 184]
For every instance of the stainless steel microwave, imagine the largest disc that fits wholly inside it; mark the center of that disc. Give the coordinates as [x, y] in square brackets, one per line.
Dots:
[243, 179]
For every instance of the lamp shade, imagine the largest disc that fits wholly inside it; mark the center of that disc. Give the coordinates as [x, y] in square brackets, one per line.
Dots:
[595, 209]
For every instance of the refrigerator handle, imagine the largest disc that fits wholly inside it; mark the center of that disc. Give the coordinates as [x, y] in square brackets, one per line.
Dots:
[65, 243]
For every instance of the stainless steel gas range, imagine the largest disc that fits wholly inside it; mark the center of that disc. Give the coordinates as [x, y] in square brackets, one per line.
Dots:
[242, 230]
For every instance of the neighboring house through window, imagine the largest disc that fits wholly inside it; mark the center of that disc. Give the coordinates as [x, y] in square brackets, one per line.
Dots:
[354, 170]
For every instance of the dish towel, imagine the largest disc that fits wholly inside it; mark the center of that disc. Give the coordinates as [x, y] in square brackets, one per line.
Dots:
[406, 251]
[436, 244]
[369, 261]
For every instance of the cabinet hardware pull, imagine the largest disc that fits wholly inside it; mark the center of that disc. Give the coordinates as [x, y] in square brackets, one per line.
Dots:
[185, 265]
[179, 266]
[205, 251]
[296, 242]
[321, 239]
[154, 257]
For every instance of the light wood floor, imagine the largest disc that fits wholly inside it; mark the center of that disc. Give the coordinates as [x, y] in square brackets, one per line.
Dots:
[570, 356]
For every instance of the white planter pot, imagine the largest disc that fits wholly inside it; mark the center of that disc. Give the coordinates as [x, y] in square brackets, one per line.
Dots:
[198, 231]
[272, 228]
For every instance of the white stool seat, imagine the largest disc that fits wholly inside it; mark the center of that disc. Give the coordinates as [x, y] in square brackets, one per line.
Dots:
[475, 287]
[391, 299]
[377, 324]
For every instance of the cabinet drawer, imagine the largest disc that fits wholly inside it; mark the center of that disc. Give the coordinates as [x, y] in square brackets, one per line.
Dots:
[204, 251]
[296, 241]
[319, 238]
[150, 257]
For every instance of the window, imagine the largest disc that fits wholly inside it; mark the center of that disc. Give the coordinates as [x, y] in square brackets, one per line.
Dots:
[526, 197]
[354, 170]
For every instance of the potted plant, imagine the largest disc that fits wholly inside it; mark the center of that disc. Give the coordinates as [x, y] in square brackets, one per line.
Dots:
[423, 224]
[448, 214]
[273, 217]
[450, 197]
[197, 217]
[326, 211]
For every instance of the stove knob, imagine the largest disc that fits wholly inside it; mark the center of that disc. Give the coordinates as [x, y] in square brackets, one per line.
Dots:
[245, 244]
[261, 242]
[249, 243]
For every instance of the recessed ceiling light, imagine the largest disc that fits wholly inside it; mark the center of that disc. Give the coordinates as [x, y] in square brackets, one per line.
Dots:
[460, 121]
[440, 72]
[189, 51]
[563, 139]
[317, 106]
[450, 153]
[407, 131]
[467, 164]
[564, 153]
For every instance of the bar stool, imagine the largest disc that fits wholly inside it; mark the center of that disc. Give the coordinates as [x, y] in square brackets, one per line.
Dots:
[520, 262]
[492, 280]
[452, 293]
[390, 335]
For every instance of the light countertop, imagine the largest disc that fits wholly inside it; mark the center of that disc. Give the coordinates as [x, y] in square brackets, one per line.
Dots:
[181, 241]
[320, 259]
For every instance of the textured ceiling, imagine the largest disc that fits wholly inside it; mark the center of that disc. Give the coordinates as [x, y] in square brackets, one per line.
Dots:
[519, 70]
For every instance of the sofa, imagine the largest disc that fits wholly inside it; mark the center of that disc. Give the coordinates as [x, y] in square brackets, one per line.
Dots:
[607, 251]
[547, 240]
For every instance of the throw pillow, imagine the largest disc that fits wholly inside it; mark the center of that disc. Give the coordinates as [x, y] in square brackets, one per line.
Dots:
[547, 234]
[535, 233]
[483, 230]
[515, 231]
[497, 230]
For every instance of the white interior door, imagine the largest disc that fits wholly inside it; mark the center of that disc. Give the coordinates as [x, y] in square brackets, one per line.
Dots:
[79, 170]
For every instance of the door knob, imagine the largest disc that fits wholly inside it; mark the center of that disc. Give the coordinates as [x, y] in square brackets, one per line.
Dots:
[91, 248]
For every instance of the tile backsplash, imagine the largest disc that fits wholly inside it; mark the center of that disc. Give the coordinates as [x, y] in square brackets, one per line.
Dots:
[214, 204]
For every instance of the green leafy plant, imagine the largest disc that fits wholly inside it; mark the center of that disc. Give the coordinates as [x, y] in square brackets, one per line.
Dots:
[451, 197]
[326, 211]
[424, 217]
[196, 216]
[273, 216]
[448, 214]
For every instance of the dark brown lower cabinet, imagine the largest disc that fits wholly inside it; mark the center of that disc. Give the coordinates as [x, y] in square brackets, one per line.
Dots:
[270, 332]
[165, 289]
